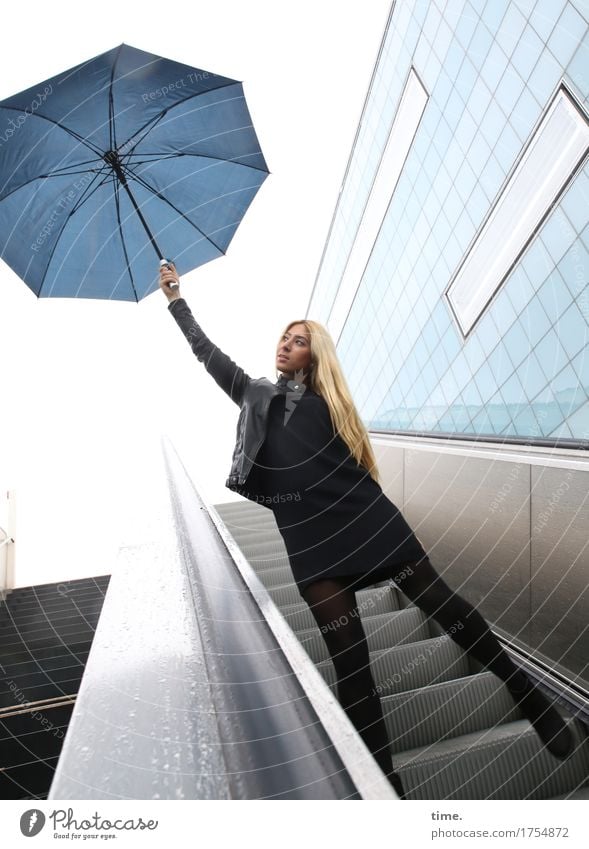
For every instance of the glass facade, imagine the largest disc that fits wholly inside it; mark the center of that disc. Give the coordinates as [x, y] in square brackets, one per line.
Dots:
[490, 70]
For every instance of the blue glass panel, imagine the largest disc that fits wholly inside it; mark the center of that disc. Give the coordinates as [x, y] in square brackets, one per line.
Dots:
[557, 234]
[511, 29]
[574, 268]
[531, 376]
[547, 411]
[494, 66]
[554, 296]
[575, 200]
[509, 89]
[519, 290]
[446, 423]
[513, 394]
[535, 321]
[462, 372]
[581, 366]
[465, 131]
[562, 432]
[442, 89]
[492, 177]
[474, 353]
[545, 76]
[466, 79]
[498, 413]
[525, 115]
[480, 44]
[503, 312]
[478, 205]
[516, 343]
[579, 422]
[451, 344]
[525, 423]
[577, 69]
[572, 330]
[479, 100]
[545, 16]
[454, 58]
[486, 332]
[527, 52]
[465, 26]
[494, 12]
[536, 261]
[486, 381]
[551, 354]
[508, 147]
[585, 236]
[566, 35]
[461, 416]
[564, 383]
[482, 424]
[471, 396]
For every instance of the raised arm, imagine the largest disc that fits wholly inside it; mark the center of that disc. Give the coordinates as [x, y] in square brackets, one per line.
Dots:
[229, 376]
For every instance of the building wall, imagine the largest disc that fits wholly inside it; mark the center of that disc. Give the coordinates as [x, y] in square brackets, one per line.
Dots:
[490, 70]
[480, 436]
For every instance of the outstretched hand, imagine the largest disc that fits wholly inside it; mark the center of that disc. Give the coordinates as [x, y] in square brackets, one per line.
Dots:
[168, 274]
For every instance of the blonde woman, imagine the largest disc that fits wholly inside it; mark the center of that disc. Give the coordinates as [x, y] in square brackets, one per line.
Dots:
[315, 468]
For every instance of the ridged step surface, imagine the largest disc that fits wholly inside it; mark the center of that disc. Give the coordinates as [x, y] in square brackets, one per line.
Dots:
[455, 731]
[382, 631]
[504, 762]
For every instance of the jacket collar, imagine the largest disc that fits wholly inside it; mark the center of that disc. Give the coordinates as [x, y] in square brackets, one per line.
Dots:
[283, 384]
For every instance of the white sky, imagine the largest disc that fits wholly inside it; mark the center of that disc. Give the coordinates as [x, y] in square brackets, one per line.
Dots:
[88, 386]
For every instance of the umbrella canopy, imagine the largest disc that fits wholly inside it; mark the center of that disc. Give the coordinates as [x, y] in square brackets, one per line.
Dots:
[119, 161]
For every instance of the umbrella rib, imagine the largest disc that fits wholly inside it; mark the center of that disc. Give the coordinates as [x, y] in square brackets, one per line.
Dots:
[68, 216]
[202, 156]
[44, 176]
[82, 200]
[165, 200]
[168, 109]
[111, 108]
[75, 135]
[116, 183]
[153, 121]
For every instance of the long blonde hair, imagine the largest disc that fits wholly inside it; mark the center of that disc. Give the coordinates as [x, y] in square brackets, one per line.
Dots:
[326, 378]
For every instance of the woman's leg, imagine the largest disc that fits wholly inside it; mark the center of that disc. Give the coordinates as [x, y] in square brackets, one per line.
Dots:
[426, 589]
[334, 607]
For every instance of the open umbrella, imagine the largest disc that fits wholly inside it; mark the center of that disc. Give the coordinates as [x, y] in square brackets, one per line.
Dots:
[120, 159]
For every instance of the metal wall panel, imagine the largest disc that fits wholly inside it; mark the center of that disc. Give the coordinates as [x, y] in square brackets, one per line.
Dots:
[560, 568]
[509, 534]
[479, 543]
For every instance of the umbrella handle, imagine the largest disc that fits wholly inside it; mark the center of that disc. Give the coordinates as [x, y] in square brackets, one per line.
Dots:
[163, 262]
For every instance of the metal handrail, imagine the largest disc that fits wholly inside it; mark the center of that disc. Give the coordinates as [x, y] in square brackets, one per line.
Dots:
[308, 749]
[170, 672]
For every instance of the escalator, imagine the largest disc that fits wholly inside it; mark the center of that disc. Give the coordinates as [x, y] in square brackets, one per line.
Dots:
[454, 729]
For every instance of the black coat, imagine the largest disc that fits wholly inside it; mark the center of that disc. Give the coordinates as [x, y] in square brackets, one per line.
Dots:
[334, 518]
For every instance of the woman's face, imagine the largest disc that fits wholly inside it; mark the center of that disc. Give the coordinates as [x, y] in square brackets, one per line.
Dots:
[294, 351]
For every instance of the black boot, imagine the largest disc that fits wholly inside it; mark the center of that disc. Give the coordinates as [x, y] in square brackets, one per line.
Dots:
[549, 724]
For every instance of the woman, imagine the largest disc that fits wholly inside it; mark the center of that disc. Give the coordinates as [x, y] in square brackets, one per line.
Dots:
[316, 470]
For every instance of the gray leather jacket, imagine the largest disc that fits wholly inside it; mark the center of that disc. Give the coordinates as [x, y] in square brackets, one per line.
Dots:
[253, 395]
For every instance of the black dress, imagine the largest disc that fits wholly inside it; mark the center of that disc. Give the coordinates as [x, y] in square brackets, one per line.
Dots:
[333, 516]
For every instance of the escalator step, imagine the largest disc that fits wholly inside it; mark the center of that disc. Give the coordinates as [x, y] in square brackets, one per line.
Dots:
[504, 762]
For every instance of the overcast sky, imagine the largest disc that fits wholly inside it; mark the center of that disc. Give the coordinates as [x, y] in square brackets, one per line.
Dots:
[88, 386]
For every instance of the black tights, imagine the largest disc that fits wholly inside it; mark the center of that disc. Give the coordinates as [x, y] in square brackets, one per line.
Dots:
[333, 604]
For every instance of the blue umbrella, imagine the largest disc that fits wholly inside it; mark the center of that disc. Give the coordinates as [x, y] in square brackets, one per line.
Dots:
[123, 158]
